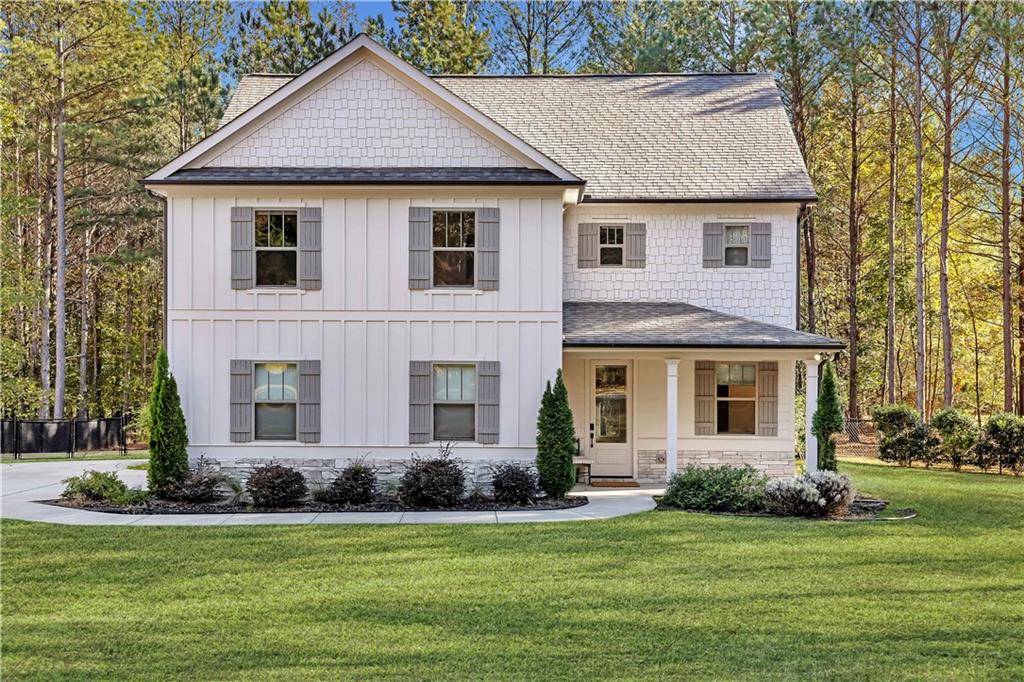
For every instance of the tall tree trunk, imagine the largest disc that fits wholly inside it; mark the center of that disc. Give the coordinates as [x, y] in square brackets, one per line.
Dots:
[947, 161]
[890, 319]
[60, 294]
[83, 334]
[854, 229]
[1020, 310]
[919, 208]
[44, 240]
[1005, 210]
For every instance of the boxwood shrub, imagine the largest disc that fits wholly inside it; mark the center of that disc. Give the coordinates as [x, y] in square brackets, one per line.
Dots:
[718, 489]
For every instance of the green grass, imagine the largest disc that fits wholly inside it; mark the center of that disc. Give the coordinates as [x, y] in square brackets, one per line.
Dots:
[663, 594]
[103, 455]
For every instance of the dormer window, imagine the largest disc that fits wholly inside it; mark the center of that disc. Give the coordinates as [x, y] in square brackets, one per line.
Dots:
[737, 245]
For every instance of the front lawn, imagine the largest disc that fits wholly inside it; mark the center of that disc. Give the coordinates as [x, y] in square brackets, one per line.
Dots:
[663, 594]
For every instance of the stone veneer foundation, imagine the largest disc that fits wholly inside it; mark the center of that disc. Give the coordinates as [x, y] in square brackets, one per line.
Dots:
[651, 465]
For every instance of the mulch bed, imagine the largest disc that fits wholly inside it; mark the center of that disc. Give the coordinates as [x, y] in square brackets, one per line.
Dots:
[861, 509]
[383, 504]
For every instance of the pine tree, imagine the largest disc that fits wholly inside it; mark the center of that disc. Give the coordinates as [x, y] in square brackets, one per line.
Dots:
[436, 36]
[556, 440]
[828, 419]
[168, 436]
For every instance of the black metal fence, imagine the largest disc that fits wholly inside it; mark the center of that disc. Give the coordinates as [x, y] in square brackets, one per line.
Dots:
[63, 436]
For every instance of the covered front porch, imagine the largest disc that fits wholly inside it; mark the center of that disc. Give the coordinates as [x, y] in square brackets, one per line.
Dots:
[655, 387]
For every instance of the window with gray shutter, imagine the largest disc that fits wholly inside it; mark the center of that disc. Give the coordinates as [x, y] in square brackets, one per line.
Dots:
[308, 418]
[241, 401]
[242, 247]
[488, 240]
[310, 238]
[760, 245]
[488, 394]
[587, 252]
[704, 398]
[636, 245]
[420, 393]
[713, 245]
[419, 247]
[767, 398]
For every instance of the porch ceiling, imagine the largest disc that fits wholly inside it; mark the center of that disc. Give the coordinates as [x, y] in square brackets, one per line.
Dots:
[676, 325]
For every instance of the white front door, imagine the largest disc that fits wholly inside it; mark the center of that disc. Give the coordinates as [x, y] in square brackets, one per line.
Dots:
[610, 434]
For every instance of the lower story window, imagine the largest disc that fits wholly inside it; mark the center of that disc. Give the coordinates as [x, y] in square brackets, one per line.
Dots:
[454, 402]
[736, 396]
[276, 396]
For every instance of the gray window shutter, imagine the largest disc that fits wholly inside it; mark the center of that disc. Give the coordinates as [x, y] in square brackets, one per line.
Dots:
[420, 400]
[241, 247]
[488, 394]
[488, 239]
[241, 401]
[760, 245]
[310, 238]
[767, 398]
[636, 245]
[419, 247]
[588, 245]
[713, 251]
[704, 398]
[308, 417]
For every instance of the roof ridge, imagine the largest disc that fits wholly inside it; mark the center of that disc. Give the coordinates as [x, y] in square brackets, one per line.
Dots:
[676, 74]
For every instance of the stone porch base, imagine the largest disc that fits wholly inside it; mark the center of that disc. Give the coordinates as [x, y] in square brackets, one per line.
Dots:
[651, 465]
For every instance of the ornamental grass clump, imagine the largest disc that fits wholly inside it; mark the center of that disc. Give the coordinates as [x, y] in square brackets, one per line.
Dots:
[717, 489]
[820, 494]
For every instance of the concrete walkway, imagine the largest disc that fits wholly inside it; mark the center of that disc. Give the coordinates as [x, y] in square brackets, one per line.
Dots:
[22, 485]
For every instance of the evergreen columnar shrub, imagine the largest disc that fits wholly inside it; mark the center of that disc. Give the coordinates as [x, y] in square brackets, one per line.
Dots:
[202, 483]
[273, 485]
[822, 493]
[1002, 443]
[513, 484]
[828, 418]
[917, 443]
[958, 435]
[718, 489]
[556, 440]
[433, 483]
[101, 486]
[168, 437]
[355, 484]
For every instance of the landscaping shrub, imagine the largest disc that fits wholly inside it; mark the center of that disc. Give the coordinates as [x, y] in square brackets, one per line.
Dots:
[355, 484]
[433, 483]
[556, 440]
[273, 485]
[958, 434]
[894, 419]
[201, 484]
[168, 437]
[100, 486]
[721, 489]
[513, 484]
[828, 418]
[823, 493]
[1002, 443]
[917, 443]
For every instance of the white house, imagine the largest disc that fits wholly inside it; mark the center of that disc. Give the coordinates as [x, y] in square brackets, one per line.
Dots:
[365, 261]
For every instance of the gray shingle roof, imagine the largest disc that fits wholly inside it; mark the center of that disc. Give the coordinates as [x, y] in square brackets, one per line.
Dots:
[692, 137]
[676, 325]
[214, 175]
[251, 90]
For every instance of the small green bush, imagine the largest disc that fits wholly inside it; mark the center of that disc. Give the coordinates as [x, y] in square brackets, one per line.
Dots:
[355, 484]
[828, 418]
[201, 484]
[1002, 443]
[822, 493]
[719, 489]
[513, 484]
[894, 419]
[917, 443]
[100, 486]
[273, 485]
[556, 440]
[432, 483]
[958, 434]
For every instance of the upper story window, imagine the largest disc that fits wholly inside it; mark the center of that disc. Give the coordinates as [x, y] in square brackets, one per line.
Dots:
[454, 402]
[612, 244]
[736, 397]
[737, 245]
[276, 393]
[454, 248]
[277, 248]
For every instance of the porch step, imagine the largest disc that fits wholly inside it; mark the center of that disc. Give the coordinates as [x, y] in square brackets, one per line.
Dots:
[614, 483]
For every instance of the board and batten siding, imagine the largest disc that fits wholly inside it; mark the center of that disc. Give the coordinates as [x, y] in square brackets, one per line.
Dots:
[364, 324]
[674, 269]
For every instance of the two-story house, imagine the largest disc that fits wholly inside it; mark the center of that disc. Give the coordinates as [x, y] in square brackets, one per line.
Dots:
[365, 261]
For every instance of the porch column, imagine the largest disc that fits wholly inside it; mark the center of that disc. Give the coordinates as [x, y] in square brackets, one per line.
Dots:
[671, 416]
[811, 462]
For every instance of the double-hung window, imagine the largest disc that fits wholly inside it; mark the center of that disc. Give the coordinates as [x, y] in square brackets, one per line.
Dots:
[737, 245]
[277, 248]
[454, 248]
[612, 245]
[736, 397]
[454, 402]
[276, 392]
